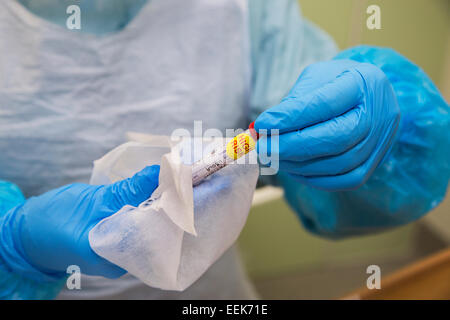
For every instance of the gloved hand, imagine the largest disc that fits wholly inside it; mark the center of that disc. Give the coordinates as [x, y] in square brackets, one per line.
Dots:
[50, 232]
[335, 126]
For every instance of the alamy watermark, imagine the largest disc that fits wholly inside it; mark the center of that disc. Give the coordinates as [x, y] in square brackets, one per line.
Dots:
[73, 282]
[73, 21]
[374, 280]
[373, 22]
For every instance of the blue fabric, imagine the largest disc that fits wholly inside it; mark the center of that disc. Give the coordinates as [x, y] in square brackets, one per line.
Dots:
[13, 285]
[335, 125]
[413, 177]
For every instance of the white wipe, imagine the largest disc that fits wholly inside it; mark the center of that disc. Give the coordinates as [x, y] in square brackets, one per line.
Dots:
[170, 242]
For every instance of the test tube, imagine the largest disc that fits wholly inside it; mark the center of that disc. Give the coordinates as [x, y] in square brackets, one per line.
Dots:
[234, 149]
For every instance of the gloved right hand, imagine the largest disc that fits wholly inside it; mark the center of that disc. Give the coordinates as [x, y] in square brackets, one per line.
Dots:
[50, 232]
[336, 125]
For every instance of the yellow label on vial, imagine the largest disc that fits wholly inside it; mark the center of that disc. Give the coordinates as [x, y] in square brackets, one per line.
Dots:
[240, 145]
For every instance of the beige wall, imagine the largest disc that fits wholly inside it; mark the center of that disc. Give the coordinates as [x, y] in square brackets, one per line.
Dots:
[418, 29]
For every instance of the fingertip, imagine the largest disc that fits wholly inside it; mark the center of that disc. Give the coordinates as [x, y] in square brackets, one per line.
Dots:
[113, 272]
[286, 116]
[151, 170]
[100, 266]
[151, 173]
[133, 191]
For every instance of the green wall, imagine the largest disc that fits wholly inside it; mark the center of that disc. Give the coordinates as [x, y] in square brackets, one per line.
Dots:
[274, 242]
[418, 29]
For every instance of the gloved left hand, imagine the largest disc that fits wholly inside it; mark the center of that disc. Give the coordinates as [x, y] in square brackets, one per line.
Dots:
[335, 125]
[50, 232]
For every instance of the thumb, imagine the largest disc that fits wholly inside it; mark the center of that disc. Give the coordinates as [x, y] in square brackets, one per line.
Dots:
[134, 190]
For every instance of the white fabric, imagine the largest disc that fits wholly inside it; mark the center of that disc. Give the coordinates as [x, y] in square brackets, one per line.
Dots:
[168, 243]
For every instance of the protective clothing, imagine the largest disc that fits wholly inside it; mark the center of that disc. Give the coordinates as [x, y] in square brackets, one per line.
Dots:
[76, 106]
[78, 94]
[335, 125]
[413, 177]
[72, 105]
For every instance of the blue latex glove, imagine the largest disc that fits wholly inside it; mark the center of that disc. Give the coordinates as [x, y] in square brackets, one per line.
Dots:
[413, 177]
[336, 124]
[46, 234]
[13, 286]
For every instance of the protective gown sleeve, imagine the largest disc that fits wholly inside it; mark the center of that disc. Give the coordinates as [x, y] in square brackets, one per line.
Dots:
[283, 43]
[412, 178]
[13, 283]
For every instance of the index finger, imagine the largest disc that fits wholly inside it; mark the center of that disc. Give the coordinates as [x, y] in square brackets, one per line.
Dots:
[327, 102]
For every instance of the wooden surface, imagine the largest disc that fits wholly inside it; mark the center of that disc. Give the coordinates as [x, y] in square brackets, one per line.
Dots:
[425, 279]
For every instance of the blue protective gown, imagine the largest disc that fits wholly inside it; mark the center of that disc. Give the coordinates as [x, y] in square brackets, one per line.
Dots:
[411, 180]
